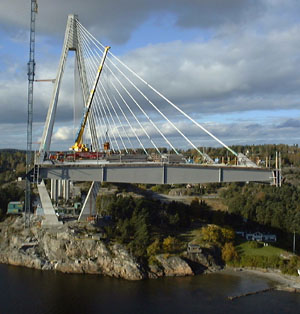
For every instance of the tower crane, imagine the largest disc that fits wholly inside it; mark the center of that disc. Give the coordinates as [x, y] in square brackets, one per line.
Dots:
[31, 73]
[46, 80]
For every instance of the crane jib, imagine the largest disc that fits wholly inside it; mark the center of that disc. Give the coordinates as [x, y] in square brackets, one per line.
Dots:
[83, 122]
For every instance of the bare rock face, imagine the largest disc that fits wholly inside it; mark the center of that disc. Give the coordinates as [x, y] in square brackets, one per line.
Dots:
[123, 264]
[174, 266]
[155, 271]
[210, 259]
[77, 249]
[64, 250]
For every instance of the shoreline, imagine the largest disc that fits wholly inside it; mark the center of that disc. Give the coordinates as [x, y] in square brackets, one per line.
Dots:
[281, 282]
[285, 282]
[78, 249]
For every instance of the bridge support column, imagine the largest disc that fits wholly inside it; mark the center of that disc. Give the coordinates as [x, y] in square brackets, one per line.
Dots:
[54, 190]
[51, 219]
[66, 189]
[89, 206]
[59, 189]
[220, 175]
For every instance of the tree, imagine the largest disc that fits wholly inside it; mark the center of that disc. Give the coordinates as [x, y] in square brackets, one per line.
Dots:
[174, 220]
[170, 244]
[228, 234]
[211, 234]
[125, 230]
[141, 240]
[228, 252]
[10, 193]
[195, 208]
[154, 248]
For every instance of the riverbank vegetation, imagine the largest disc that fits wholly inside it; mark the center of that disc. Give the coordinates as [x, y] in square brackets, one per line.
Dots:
[149, 227]
[266, 209]
[8, 193]
[12, 165]
[146, 225]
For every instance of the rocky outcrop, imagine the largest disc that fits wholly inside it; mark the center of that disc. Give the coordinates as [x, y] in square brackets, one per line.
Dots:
[206, 260]
[209, 258]
[66, 249]
[78, 248]
[170, 266]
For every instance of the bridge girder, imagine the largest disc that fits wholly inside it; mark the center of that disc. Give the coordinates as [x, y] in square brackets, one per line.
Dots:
[151, 173]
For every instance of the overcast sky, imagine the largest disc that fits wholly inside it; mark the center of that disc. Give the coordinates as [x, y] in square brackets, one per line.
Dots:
[234, 64]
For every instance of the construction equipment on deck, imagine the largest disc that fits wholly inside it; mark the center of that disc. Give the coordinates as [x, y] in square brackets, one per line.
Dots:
[79, 146]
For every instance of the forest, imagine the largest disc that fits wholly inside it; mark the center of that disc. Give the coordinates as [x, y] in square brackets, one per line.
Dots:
[267, 205]
[12, 166]
[137, 222]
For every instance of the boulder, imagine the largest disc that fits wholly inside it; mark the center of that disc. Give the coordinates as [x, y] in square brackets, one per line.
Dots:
[119, 263]
[174, 266]
[155, 271]
[209, 258]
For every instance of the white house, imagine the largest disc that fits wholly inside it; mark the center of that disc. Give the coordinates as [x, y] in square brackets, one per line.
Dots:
[258, 236]
[270, 238]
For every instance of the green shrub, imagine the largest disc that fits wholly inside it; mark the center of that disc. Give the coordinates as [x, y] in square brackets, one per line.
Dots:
[161, 188]
[153, 261]
[291, 266]
[154, 248]
[171, 245]
[255, 245]
[229, 253]
[260, 261]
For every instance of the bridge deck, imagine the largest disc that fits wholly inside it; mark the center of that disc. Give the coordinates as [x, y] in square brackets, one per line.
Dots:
[152, 173]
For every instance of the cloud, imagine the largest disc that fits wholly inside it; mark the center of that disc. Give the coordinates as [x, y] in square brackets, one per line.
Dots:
[116, 20]
[13, 93]
[208, 78]
[247, 73]
[234, 133]
[248, 61]
[275, 131]
[237, 71]
[290, 123]
[63, 134]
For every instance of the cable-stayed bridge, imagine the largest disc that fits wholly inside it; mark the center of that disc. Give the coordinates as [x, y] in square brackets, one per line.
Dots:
[126, 122]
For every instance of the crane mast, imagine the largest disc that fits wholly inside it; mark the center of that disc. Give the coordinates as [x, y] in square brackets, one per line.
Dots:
[79, 146]
[30, 73]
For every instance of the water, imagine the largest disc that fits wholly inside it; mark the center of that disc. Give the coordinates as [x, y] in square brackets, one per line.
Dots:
[30, 291]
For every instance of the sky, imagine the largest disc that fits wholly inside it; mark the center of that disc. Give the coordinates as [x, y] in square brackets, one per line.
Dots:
[233, 65]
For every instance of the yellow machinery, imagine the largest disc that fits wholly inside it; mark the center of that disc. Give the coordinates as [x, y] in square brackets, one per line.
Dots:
[79, 146]
[106, 146]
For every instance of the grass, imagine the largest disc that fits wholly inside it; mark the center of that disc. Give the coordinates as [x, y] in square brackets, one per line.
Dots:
[191, 235]
[268, 251]
[215, 204]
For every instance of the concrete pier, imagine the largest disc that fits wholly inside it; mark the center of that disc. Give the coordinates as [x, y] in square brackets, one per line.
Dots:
[50, 216]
